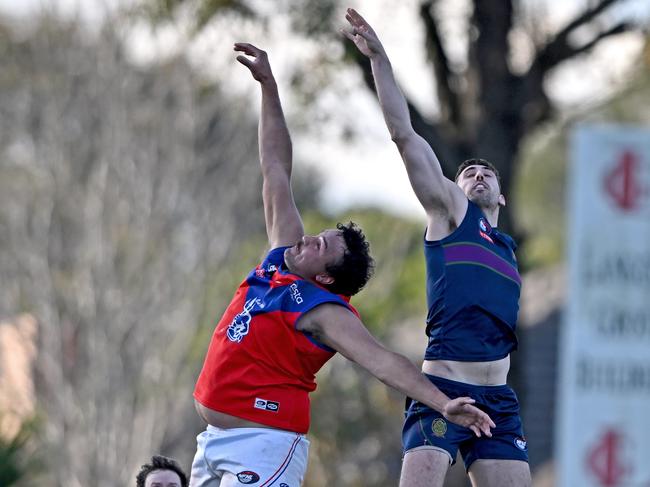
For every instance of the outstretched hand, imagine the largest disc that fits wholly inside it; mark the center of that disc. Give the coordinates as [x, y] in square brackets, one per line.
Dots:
[257, 62]
[461, 412]
[363, 36]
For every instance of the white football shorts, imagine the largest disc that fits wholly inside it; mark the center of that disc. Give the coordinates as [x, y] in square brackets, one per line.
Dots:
[259, 457]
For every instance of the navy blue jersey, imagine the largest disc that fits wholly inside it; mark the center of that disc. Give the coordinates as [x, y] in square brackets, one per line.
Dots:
[473, 288]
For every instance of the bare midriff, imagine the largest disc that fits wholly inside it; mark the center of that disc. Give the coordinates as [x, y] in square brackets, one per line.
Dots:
[223, 420]
[493, 373]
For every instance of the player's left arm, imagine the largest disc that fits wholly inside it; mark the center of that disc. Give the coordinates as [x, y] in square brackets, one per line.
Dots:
[283, 223]
[338, 328]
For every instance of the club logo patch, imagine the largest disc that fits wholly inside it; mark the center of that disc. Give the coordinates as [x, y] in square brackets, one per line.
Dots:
[521, 443]
[484, 225]
[269, 271]
[439, 427]
[240, 324]
[484, 229]
[272, 406]
[247, 477]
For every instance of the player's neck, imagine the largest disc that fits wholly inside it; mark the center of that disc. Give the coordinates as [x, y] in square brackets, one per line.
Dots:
[492, 215]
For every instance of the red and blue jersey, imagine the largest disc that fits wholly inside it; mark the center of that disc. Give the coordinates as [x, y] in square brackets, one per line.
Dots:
[259, 367]
[473, 288]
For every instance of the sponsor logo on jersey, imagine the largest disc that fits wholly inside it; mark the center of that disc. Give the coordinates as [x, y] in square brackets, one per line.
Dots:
[267, 405]
[284, 485]
[240, 324]
[262, 272]
[439, 427]
[247, 477]
[521, 443]
[295, 293]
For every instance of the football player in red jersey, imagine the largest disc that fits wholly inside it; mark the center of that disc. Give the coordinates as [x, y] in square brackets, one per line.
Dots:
[288, 317]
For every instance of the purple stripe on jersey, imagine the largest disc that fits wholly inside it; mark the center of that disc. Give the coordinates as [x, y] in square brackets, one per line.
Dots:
[470, 253]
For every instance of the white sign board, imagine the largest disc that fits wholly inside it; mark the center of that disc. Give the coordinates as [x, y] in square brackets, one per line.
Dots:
[603, 432]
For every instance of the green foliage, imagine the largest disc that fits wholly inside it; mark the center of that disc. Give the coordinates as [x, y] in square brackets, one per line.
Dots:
[313, 17]
[164, 10]
[16, 461]
[539, 200]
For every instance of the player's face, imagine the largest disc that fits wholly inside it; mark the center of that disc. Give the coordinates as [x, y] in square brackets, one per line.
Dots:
[313, 253]
[162, 478]
[481, 186]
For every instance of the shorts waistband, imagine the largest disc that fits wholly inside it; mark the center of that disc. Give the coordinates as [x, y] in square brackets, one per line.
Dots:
[470, 388]
[216, 429]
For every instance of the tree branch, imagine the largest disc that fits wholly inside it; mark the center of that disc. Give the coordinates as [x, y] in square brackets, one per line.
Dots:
[493, 20]
[533, 98]
[447, 96]
[584, 18]
[617, 29]
[558, 49]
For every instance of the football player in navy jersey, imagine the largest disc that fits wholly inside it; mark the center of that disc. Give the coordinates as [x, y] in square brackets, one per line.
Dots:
[473, 288]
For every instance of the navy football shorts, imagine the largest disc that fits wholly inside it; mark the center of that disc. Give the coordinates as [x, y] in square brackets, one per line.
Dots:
[426, 428]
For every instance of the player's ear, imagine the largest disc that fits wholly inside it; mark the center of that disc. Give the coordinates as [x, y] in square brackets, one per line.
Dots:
[324, 279]
[502, 200]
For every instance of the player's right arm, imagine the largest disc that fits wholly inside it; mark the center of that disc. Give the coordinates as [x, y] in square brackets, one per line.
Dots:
[338, 328]
[283, 223]
[442, 199]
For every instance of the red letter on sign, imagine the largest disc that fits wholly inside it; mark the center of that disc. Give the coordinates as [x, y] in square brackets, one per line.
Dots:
[604, 460]
[622, 182]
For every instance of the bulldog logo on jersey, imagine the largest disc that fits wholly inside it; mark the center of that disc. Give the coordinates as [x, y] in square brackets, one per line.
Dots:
[485, 229]
[240, 324]
[247, 477]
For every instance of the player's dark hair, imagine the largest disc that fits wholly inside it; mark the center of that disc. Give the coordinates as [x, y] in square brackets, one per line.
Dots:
[354, 270]
[159, 462]
[477, 162]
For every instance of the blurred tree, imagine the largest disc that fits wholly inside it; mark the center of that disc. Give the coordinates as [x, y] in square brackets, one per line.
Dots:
[123, 192]
[486, 102]
[540, 192]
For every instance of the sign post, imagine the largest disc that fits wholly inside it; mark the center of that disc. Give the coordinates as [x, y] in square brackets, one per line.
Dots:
[603, 432]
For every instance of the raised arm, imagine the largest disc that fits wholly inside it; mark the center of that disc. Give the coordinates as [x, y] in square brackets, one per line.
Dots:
[283, 222]
[439, 196]
[341, 330]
